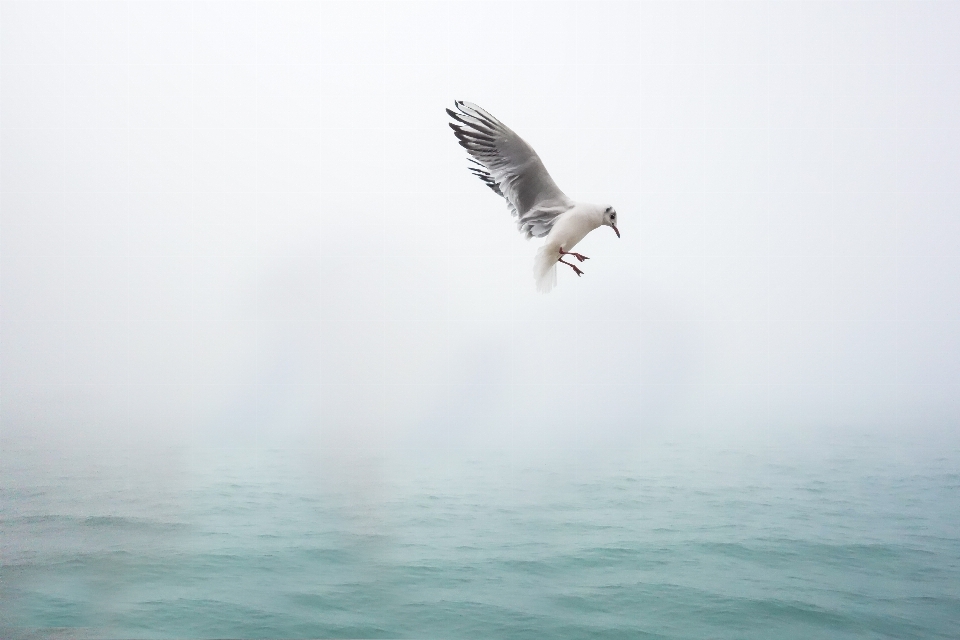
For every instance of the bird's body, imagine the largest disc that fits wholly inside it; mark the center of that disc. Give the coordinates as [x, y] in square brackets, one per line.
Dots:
[510, 166]
[572, 226]
[569, 229]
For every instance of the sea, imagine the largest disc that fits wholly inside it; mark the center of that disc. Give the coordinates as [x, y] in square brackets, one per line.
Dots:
[842, 536]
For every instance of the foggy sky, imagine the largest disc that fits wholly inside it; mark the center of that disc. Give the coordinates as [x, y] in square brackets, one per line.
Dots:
[249, 222]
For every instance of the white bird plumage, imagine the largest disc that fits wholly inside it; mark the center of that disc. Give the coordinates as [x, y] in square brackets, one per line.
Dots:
[510, 166]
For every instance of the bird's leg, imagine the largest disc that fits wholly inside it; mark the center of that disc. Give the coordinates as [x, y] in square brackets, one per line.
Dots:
[572, 266]
[578, 256]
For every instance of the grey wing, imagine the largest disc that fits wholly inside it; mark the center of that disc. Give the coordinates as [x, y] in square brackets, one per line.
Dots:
[510, 167]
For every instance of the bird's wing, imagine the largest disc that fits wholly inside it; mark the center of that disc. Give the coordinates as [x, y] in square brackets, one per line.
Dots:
[510, 167]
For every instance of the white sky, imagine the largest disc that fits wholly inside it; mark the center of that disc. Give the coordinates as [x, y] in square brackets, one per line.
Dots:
[249, 222]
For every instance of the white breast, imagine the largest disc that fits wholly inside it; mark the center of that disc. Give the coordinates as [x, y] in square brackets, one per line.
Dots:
[572, 227]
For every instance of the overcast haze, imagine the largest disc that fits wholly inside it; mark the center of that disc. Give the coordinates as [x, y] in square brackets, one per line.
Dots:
[249, 222]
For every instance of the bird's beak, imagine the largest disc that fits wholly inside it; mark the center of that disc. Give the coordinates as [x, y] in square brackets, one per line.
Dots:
[616, 230]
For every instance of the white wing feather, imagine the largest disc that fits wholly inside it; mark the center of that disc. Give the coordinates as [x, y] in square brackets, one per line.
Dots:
[510, 167]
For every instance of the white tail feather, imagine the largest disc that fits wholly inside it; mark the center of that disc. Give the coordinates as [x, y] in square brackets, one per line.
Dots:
[545, 268]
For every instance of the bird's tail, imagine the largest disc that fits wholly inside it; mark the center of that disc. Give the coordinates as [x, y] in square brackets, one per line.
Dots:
[545, 268]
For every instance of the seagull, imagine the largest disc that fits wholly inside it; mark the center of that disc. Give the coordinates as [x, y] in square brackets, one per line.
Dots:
[510, 166]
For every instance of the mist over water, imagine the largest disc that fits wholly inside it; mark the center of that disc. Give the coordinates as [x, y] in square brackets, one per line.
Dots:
[249, 222]
[272, 363]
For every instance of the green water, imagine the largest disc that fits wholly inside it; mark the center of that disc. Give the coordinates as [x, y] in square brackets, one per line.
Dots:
[852, 540]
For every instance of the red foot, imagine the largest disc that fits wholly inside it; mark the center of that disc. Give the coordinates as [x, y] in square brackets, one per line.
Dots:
[578, 256]
[572, 266]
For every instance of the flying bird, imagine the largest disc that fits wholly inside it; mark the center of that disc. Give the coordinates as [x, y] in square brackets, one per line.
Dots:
[510, 166]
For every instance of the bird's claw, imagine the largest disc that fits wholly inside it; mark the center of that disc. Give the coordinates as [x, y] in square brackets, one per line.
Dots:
[579, 273]
[578, 256]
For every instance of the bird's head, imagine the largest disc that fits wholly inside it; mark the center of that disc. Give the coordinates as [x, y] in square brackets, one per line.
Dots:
[610, 219]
